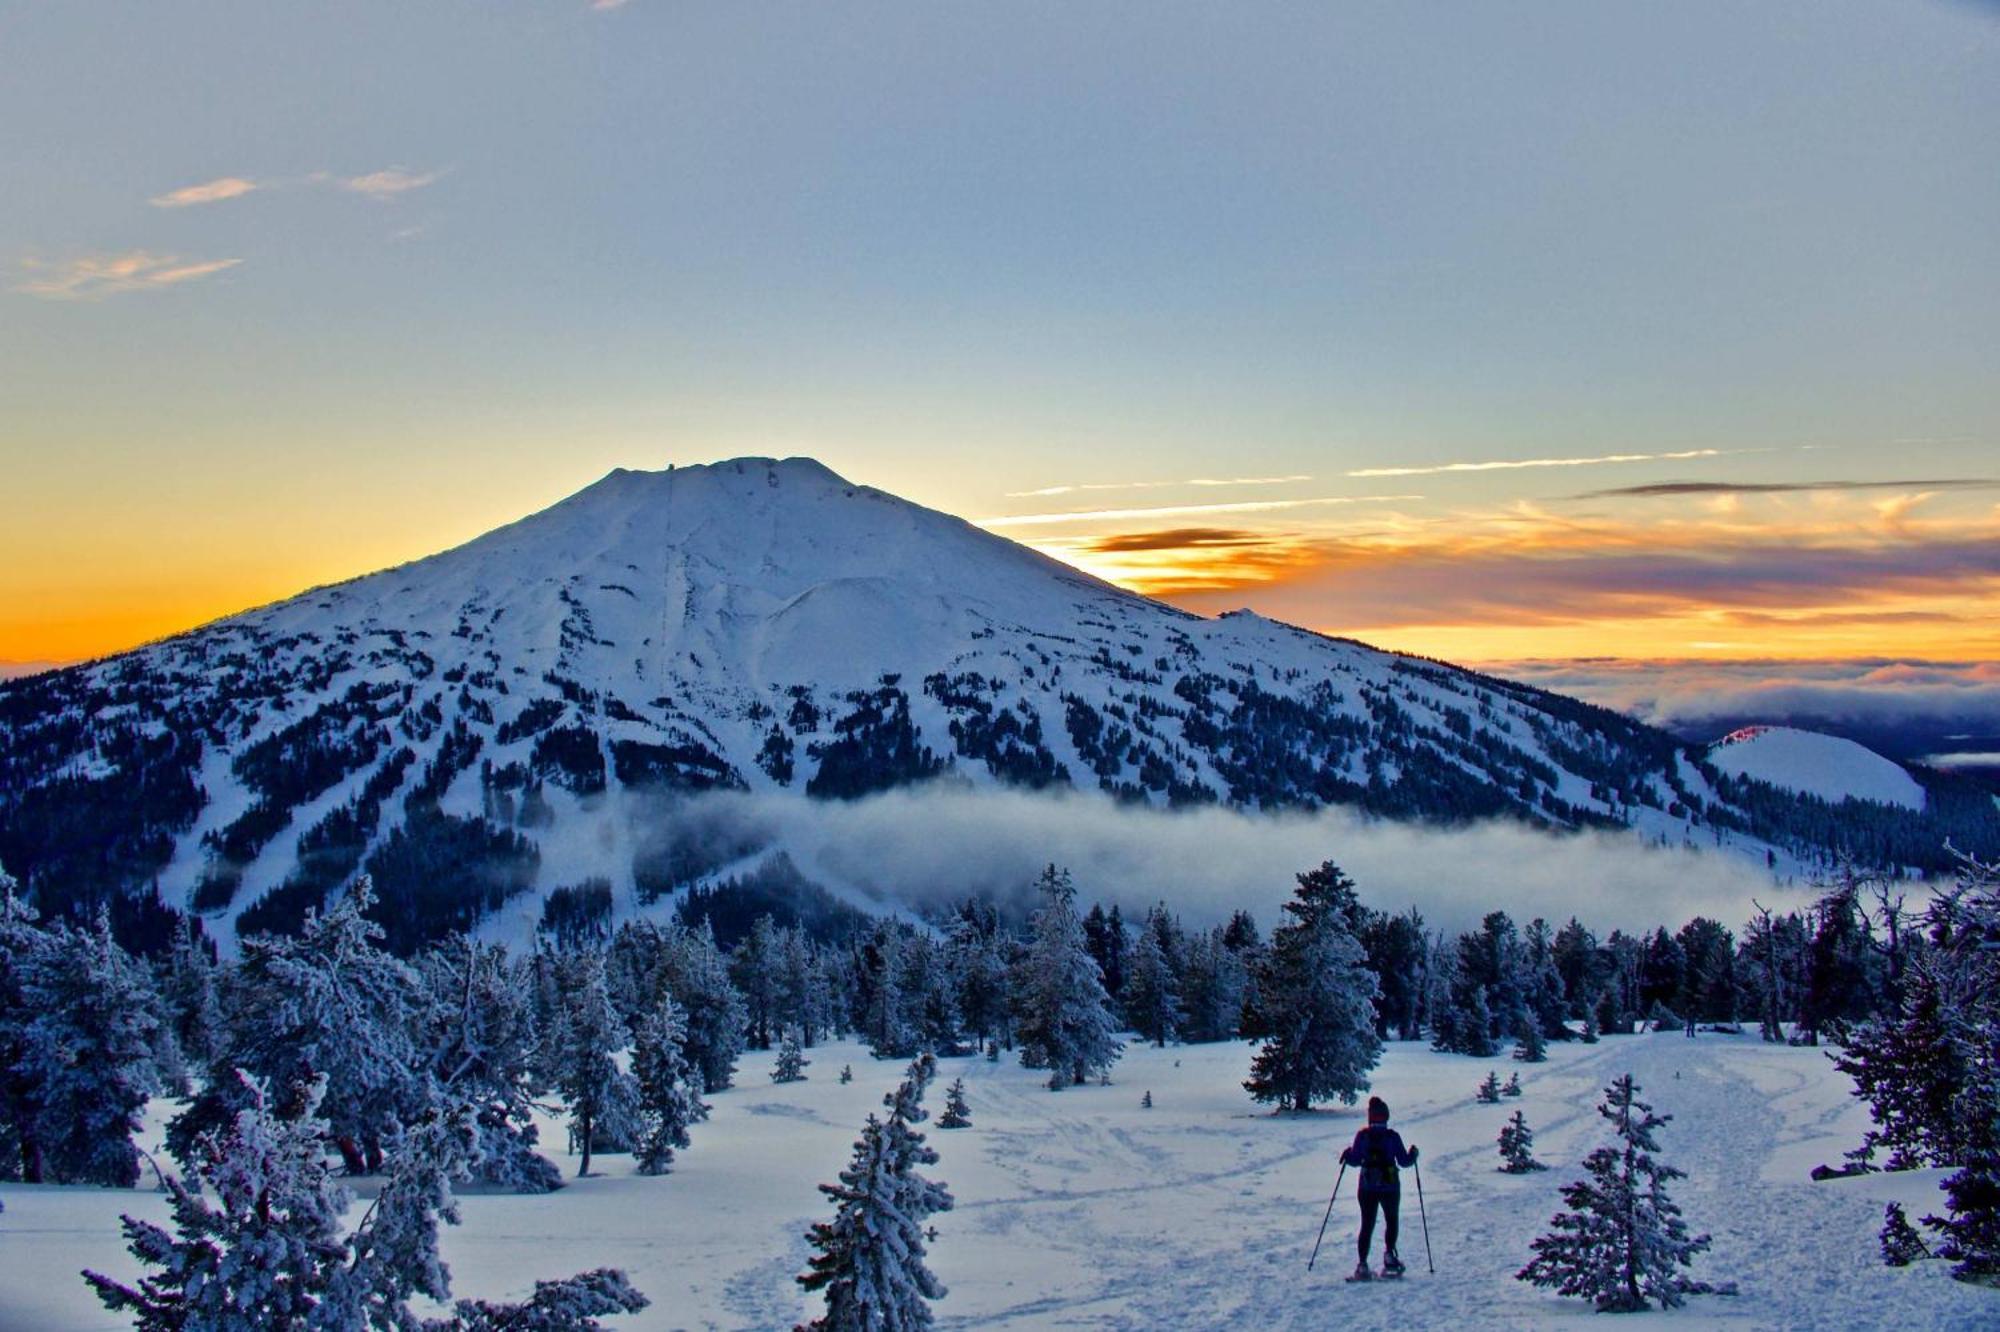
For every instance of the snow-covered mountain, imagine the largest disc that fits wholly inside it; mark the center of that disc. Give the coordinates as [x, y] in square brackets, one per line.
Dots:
[507, 715]
[1815, 764]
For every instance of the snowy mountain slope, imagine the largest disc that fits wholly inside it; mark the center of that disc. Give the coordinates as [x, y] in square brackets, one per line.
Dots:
[520, 712]
[1817, 764]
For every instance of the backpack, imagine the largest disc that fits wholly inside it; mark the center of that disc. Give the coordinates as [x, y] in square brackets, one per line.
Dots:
[1378, 1162]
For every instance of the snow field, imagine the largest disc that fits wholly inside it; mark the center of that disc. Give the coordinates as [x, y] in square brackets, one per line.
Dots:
[1081, 1209]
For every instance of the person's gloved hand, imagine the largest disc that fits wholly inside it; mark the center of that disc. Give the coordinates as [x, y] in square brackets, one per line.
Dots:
[1413, 1156]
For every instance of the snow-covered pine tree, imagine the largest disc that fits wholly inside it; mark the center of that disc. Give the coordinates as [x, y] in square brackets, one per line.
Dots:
[869, 1259]
[1530, 1048]
[1901, 1244]
[929, 996]
[1062, 1013]
[391, 1256]
[846, 1074]
[22, 941]
[1961, 975]
[805, 1001]
[1969, 1231]
[261, 1254]
[716, 1019]
[792, 1062]
[478, 1033]
[572, 1304]
[669, 1097]
[331, 1003]
[978, 968]
[1151, 996]
[1517, 1147]
[1314, 1010]
[756, 968]
[1512, 1087]
[1146, 1101]
[87, 1052]
[1489, 1090]
[578, 1059]
[256, 1242]
[187, 985]
[886, 1024]
[1217, 981]
[1622, 1242]
[956, 1113]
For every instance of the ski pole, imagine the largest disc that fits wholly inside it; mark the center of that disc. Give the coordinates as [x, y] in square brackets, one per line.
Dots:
[1418, 1166]
[1328, 1217]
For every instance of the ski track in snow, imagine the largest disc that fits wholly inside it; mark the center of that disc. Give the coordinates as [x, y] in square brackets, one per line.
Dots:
[1080, 1209]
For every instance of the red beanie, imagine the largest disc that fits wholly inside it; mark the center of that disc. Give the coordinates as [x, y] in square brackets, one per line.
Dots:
[1378, 1110]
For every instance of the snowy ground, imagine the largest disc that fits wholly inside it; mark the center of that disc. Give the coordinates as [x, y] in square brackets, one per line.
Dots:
[1085, 1210]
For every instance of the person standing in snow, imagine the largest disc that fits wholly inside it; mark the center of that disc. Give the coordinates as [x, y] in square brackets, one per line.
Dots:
[1378, 1153]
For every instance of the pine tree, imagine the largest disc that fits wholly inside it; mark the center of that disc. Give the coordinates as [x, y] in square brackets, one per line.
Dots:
[1146, 1101]
[869, 1259]
[956, 1113]
[693, 969]
[256, 1242]
[1512, 1087]
[669, 1097]
[846, 1074]
[1489, 1090]
[1530, 1048]
[1062, 1013]
[22, 942]
[569, 1305]
[1964, 964]
[87, 1051]
[1901, 1245]
[188, 990]
[331, 1002]
[1517, 1147]
[756, 969]
[579, 1059]
[1314, 1010]
[478, 1031]
[978, 968]
[886, 1024]
[1622, 1242]
[792, 1063]
[1151, 996]
[262, 1253]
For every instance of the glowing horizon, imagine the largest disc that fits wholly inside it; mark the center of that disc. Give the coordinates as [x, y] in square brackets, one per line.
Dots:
[1399, 322]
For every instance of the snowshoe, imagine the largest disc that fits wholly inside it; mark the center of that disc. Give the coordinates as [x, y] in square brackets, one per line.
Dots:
[1392, 1268]
[1361, 1273]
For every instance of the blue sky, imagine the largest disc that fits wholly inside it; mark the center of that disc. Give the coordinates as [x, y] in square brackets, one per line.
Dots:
[444, 262]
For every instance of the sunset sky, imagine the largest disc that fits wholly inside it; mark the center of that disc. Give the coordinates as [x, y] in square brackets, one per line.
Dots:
[1487, 332]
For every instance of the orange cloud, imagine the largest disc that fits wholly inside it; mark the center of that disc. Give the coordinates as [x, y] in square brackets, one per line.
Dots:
[390, 183]
[214, 191]
[93, 277]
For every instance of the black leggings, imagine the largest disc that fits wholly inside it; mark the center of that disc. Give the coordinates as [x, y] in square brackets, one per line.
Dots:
[1388, 1202]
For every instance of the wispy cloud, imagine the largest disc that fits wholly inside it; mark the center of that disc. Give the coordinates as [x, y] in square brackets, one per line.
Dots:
[214, 191]
[608, 4]
[92, 277]
[1175, 538]
[389, 183]
[1669, 489]
[1199, 481]
[1514, 464]
[1185, 510]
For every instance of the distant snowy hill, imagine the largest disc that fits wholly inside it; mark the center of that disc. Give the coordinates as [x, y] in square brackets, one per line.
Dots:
[1815, 764]
[523, 712]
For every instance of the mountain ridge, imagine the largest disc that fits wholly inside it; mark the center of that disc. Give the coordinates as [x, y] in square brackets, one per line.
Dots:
[764, 624]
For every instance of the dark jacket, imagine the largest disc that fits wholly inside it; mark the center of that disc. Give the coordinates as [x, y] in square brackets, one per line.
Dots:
[1377, 1151]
